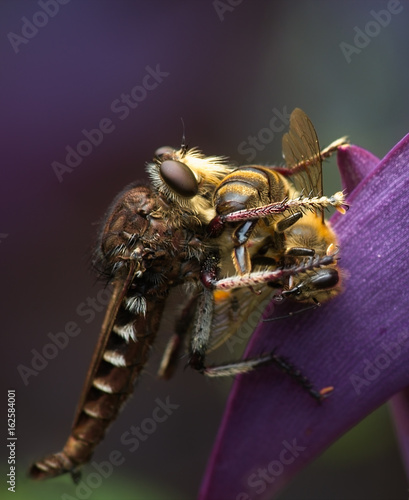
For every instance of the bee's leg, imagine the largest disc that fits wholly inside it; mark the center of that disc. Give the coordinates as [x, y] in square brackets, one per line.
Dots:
[322, 279]
[287, 222]
[240, 254]
[300, 252]
[175, 345]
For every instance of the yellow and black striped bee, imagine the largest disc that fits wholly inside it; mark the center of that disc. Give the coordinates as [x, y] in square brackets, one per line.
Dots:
[246, 203]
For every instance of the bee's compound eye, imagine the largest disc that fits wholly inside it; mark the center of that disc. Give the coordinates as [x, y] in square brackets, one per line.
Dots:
[164, 152]
[179, 178]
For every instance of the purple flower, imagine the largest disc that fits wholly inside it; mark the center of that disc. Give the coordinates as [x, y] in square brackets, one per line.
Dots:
[358, 343]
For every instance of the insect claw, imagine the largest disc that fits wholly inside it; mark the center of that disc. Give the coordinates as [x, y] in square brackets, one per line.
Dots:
[215, 227]
[76, 476]
[332, 250]
[325, 392]
[196, 362]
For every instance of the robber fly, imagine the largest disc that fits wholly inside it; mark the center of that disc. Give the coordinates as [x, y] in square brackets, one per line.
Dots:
[181, 230]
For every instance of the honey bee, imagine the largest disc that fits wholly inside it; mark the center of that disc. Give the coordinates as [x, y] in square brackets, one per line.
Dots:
[183, 229]
[262, 237]
[247, 200]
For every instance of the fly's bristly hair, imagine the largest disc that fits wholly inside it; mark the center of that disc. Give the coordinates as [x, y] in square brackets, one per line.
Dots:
[136, 305]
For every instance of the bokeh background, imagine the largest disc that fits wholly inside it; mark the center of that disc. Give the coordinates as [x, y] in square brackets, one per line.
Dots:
[225, 67]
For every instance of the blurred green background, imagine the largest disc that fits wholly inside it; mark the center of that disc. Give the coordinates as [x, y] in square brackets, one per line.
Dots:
[228, 68]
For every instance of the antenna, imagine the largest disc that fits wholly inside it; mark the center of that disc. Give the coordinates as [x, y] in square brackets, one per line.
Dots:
[183, 146]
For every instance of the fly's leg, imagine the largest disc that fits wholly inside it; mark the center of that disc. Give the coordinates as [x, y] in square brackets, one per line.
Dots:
[248, 365]
[333, 147]
[201, 334]
[216, 225]
[174, 349]
[268, 276]
[325, 153]
[197, 359]
[200, 338]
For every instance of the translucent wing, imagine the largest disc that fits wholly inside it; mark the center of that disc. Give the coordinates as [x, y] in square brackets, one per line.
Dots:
[237, 312]
[302, 155]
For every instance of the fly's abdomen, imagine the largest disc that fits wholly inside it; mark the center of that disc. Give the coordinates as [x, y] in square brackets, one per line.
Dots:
[143, 251]
[122, 360]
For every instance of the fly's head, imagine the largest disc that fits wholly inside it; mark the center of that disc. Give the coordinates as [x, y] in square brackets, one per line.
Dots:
[188, 179]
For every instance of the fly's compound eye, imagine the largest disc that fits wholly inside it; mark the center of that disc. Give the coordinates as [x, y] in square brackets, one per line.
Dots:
[179, 178]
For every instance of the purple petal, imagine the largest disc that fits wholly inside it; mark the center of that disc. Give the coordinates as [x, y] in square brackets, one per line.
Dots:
[354, 164]
[358, 343]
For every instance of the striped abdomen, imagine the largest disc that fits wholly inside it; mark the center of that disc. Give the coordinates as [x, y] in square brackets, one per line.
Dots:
[121, 362]
[249, 187]
[144, 251]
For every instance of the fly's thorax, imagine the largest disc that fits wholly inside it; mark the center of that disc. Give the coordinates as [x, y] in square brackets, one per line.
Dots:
[188, 179]
[250, 187]
[145, 231]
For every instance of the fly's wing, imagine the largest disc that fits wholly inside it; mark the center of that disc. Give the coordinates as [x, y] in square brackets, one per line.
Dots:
[118, 294]
[237, 312]
[301, 151]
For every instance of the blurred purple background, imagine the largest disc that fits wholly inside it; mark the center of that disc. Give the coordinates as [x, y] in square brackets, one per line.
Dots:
[223, 73]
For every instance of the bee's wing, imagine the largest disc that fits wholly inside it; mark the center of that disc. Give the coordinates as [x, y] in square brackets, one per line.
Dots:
[301, 151]
[237, 311]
